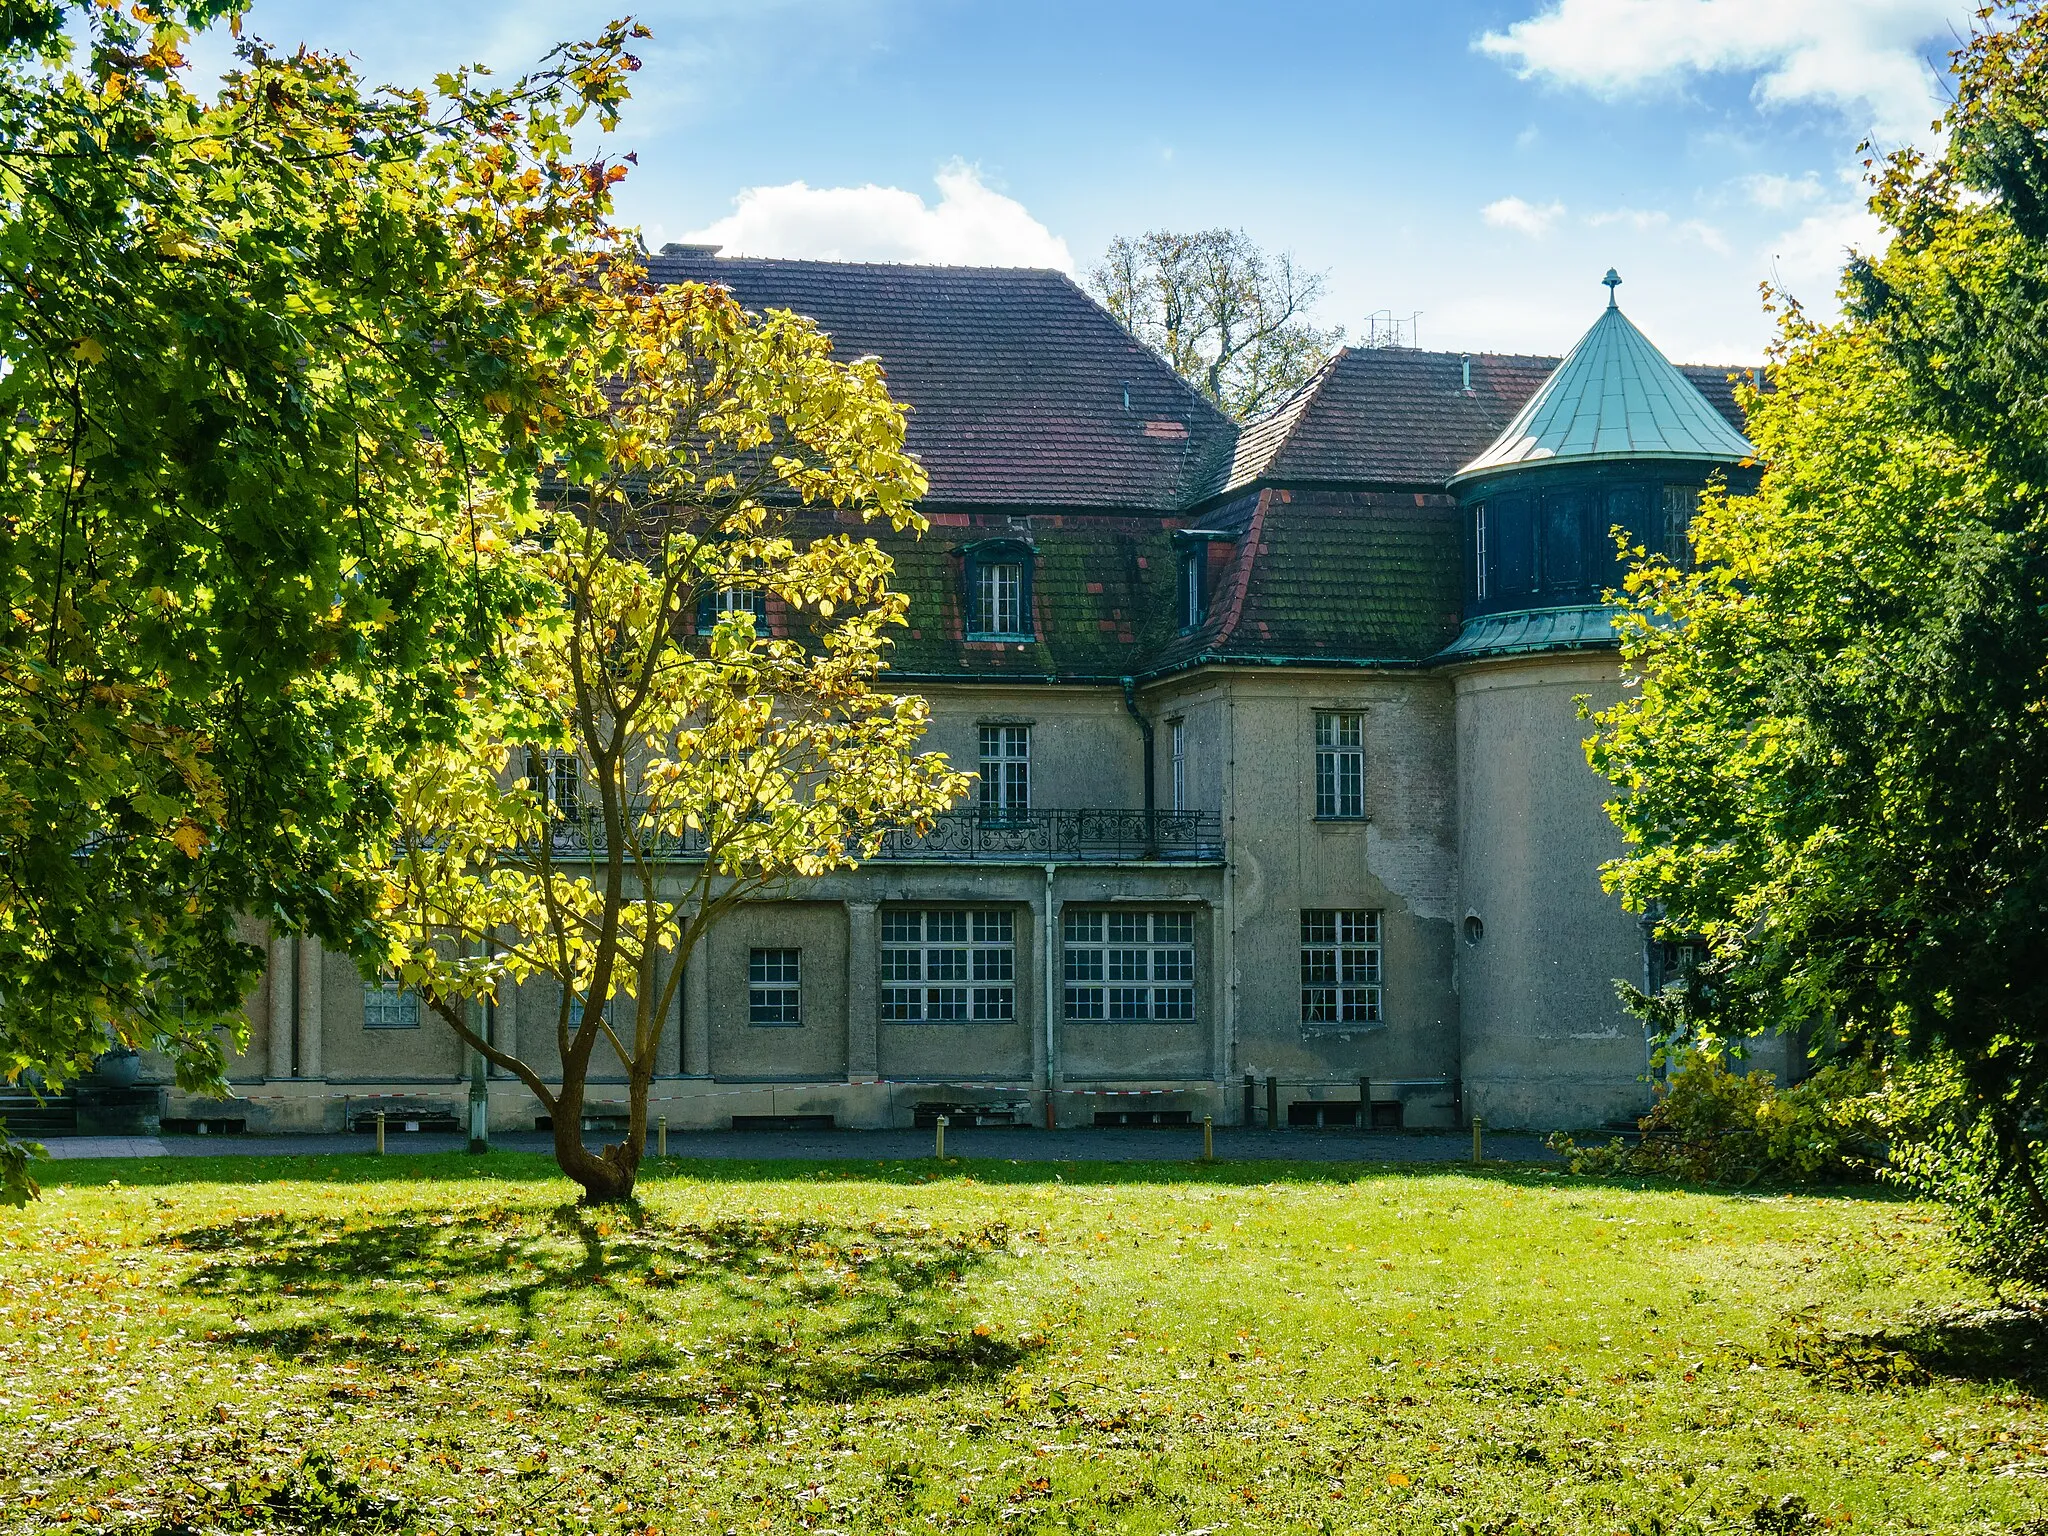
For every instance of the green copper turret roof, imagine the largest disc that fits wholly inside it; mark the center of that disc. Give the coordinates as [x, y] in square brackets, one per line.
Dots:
[1613, 397]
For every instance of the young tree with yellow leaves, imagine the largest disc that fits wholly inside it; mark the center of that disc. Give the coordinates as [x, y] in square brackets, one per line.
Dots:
[729, 455]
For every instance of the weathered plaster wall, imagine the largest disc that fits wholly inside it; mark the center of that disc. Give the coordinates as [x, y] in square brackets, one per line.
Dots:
[1546, 1043]
[812, 1050]
[1400, 860]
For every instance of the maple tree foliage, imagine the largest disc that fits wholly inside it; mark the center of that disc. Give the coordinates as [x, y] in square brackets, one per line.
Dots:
[1834, 767]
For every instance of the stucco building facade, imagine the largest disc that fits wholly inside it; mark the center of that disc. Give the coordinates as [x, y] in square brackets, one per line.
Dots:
[1278, 746]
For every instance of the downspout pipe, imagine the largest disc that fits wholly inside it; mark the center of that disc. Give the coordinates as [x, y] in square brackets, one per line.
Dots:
[1151, 793]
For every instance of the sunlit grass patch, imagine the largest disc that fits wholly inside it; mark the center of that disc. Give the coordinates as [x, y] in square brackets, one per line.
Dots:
[447, 1344]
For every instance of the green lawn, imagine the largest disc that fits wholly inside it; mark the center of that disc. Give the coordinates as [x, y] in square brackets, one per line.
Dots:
[441, 1344]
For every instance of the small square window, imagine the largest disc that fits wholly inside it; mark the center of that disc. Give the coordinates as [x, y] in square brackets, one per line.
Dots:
[387, 1005]
[775, 987]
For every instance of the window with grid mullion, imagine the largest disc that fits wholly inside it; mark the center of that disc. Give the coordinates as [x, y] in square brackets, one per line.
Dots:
[775, 987]
[943, 966]
[1129, 967]
[1340, 766]
[1340, 967]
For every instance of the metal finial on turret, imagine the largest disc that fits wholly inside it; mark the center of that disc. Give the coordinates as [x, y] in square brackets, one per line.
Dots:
[1613, 281]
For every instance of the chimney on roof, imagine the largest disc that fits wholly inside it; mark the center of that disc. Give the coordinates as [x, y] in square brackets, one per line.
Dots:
[1465, 369]
[677, 248]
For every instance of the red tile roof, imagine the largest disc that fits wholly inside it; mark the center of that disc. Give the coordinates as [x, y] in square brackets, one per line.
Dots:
[1395, 416]
[1023, 391]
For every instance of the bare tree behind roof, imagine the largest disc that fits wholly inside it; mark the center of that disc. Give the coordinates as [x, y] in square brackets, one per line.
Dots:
[1229, 317]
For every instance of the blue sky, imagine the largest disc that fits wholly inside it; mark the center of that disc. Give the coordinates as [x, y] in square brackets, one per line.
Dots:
[1480, 161]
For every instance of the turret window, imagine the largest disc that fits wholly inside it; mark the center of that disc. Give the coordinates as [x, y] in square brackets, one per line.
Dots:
[1479, 552]
[1680, 502]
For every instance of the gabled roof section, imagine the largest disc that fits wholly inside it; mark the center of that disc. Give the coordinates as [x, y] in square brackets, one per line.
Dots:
[1615, 396]
[1392, 416]
[1024, 392]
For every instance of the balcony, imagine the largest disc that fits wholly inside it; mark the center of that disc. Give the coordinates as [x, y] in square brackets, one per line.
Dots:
[1107, 837]
[1028, 837]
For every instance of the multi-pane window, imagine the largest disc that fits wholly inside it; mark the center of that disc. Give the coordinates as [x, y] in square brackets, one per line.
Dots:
[715, 605]
[1340, 967]
[1479, 532]
[775, 987]
[387, 1005]
[1178, 741]
[1005, 770]
[1680, 502]
[948, 966]
[1340, 764]
[999, 598]
[1130, 966]
[557, 777]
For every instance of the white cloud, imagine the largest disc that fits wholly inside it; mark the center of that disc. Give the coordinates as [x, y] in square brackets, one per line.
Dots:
[970, 225]
[1524, 217]
[1807, 259]
[1703, 233]
[1772, 191]
[1862, 57]
[1641, 220]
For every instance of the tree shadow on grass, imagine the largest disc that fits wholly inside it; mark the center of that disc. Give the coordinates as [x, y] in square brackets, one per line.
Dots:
[812, 1309]
[1995, 1343]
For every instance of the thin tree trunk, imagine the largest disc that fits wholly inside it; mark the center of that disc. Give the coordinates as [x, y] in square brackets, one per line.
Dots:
[607, 1177]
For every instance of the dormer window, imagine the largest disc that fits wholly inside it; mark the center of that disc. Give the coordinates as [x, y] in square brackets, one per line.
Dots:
[999, 590]
[1191, 575]
[1194, 596]
[713, 606]
[999, 598]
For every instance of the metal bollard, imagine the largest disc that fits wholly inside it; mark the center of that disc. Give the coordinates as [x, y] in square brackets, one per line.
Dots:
[1208, 1138]
[380, 1133]
[1478, 1130]
[661, 1133]
[940, 1151]
[1272, 1103]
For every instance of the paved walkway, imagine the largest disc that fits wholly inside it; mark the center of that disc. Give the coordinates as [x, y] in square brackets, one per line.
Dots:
[1023, 1146]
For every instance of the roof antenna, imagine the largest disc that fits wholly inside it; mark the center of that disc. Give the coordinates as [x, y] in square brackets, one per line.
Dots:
[1613, 281]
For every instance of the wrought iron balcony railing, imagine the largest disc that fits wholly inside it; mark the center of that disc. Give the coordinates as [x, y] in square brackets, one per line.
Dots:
[1088, 835]
[1081, 836]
